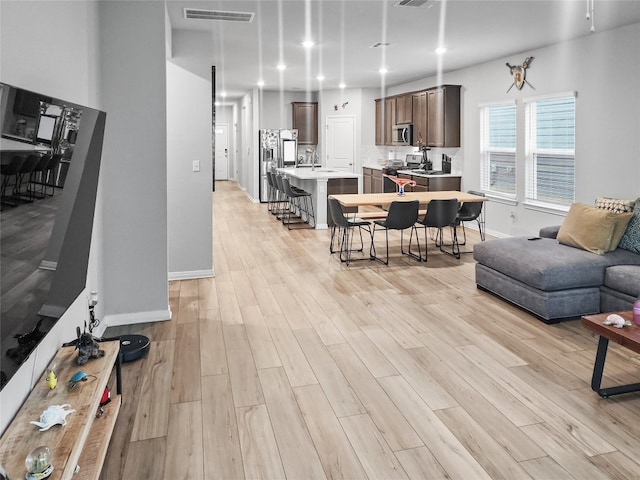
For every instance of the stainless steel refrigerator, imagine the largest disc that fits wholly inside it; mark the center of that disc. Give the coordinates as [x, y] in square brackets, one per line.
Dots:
[278, 149]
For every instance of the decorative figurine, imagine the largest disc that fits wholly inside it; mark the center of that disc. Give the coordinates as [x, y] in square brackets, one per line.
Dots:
[87, 348]
[53, 415]
[51, 379]
[518, 72]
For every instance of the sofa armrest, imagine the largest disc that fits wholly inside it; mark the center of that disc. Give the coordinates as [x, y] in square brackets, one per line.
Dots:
[549, 232]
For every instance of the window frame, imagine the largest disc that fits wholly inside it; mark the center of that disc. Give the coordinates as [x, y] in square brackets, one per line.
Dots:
[532, 152]
[486, 150]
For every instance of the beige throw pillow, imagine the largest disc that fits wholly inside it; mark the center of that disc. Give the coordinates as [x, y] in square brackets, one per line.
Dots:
[620, 226]
[588, 228]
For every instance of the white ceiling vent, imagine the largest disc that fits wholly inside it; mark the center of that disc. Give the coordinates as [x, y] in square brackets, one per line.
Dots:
[415, 3]
[197, 13]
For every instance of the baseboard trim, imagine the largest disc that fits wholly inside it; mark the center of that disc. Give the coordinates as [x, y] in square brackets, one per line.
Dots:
[138, 317]
[191, 275]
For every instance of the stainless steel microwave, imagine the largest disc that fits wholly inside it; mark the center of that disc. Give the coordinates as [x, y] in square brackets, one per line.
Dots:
[402, 135]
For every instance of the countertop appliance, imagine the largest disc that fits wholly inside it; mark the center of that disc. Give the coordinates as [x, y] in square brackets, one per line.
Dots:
[278, 149]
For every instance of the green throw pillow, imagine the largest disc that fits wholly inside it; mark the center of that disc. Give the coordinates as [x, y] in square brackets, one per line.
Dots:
[631, 238]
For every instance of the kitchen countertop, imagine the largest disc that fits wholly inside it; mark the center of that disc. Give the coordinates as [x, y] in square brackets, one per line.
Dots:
[411, 172]
[317, 174]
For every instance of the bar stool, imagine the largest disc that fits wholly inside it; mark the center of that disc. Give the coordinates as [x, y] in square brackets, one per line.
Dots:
[37, 177]
[8, 171]
[300, 203]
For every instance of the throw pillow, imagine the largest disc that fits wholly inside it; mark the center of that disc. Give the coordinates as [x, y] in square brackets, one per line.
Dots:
[587, 228]
[631, 238]
[619, 227]
[615, 204]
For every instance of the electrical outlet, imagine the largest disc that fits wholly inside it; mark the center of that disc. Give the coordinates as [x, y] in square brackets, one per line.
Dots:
[196, 165]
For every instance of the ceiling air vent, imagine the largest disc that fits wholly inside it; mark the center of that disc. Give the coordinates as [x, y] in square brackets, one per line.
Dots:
[197, 13]
[415, 3]
[379, 45]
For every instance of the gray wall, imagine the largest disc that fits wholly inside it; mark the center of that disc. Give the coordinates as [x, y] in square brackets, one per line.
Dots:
[110, 56]
[607, 119]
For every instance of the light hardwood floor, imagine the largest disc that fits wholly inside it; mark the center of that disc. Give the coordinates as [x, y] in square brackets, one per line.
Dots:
[290, 365]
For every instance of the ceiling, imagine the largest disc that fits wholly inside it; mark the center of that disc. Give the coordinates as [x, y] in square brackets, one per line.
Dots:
[473, 31]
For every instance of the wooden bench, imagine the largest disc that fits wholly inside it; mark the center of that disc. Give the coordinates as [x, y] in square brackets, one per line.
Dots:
[79, 447]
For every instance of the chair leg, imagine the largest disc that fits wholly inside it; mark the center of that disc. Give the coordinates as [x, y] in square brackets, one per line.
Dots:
[410, 253]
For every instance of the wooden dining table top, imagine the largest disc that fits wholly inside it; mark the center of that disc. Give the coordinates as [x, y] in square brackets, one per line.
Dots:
[385, 199]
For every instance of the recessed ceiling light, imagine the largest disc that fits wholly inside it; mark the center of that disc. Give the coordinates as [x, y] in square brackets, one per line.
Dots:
[261, 83]
[281, 66]
[320, 78]
[383, 70]
[440, 50]
[342, 85]
[223, 94]
[308, 43]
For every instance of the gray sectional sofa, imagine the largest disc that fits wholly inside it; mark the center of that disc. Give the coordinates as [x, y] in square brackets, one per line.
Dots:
[556, 281]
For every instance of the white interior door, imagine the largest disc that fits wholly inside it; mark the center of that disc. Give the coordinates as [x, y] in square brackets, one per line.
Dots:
[341, 143]
[222, 152]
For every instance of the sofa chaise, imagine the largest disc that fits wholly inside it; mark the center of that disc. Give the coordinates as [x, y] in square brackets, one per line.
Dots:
[558, 277]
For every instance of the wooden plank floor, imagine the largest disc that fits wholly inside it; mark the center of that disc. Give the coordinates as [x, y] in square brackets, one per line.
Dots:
[289, 364]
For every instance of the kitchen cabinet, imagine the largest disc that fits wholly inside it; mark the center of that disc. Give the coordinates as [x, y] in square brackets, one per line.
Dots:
[443, 116]
[376, 181]
[404, 109]
[371, 180]
[422, 184]
[305, 119]
[389, 119]
[419, 101]
[380, 121]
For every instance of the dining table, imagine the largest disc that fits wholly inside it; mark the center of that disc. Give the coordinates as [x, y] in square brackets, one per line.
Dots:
[352, 200]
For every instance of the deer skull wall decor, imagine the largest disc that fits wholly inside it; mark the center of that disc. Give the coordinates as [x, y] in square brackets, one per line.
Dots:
[519, 72]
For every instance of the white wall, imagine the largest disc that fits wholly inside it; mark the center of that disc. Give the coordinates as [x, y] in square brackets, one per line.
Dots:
[71, 74]
[189, 192]
[607, 118]
[134, 171]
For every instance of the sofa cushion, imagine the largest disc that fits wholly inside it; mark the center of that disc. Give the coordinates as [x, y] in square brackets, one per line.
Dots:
[631, 238]
[548, 265]
[615, 205]
[623, 278]
[621, 221]
[588, 228]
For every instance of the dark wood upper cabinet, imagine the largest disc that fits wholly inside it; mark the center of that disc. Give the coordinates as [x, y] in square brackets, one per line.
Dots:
[389, 119]
[305, 119]
[443, 116]
[380, 121]
[419, 101]
[404, 109]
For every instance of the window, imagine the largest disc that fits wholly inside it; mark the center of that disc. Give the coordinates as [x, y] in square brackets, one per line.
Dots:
[498, 149]
[550, 150]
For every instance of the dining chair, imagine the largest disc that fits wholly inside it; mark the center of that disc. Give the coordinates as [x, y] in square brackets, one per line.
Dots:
[401, 215]
[343, 230]
[441, 214]
[468, 212]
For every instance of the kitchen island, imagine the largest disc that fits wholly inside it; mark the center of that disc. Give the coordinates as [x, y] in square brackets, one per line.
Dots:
[320, 183]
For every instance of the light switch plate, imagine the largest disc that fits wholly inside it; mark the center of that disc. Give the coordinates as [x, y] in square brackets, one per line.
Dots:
[196, 165]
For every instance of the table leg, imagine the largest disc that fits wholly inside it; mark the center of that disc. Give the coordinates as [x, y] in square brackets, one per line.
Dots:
[598, 368]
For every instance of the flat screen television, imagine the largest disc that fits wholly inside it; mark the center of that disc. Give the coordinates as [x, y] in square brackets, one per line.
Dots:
[46, 129]
[45, 244]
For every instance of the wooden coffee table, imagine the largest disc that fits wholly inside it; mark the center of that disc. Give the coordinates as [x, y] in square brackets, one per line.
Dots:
[628, 337]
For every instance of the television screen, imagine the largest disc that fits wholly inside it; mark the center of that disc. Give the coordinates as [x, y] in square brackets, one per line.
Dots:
[46, 128]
